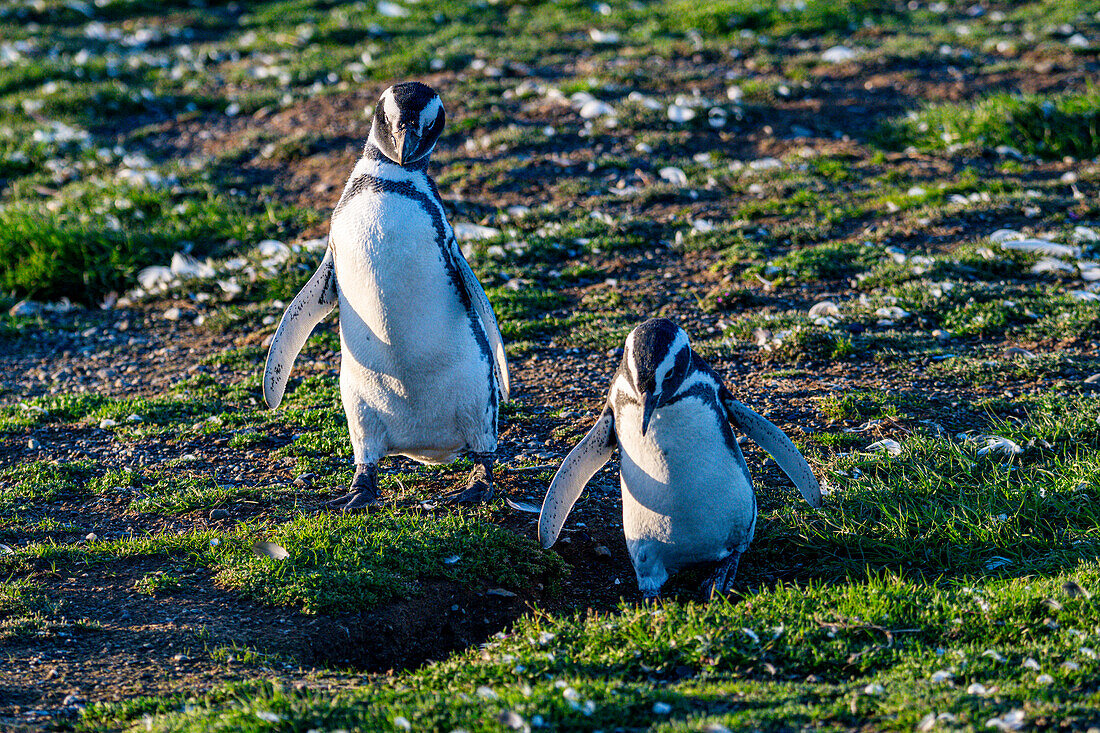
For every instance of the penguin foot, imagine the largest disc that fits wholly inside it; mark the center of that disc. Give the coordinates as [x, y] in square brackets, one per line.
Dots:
[364, 490]
[720, 581]
[479, 485]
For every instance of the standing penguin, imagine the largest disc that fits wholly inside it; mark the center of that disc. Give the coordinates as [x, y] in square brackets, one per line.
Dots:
[687, 492]
[423, 365]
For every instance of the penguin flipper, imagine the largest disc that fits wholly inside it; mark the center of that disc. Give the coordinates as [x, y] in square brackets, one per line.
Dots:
[587, 457]
[774, 441]
[488, 321]
[312, 303]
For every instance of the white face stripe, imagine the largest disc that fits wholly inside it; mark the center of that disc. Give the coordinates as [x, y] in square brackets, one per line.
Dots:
[680, 343]
[389, 106]
[429, 113]
[628, 357]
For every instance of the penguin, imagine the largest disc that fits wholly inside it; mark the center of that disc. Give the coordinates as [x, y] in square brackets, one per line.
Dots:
[687, 493]
[423, 368]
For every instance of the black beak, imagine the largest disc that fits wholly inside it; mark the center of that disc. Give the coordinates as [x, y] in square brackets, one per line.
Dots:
[407, 143]
[648, 407]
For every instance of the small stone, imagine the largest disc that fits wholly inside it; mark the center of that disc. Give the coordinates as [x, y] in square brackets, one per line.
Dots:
[33, 444]
[602, 551]
[91, 537]
[500, 592]
[305, 481]
[661, 708]
[216, 514]
[172, 314]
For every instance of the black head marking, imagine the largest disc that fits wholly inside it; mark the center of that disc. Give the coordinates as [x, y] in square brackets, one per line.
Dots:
[408, 120]
[657, 351]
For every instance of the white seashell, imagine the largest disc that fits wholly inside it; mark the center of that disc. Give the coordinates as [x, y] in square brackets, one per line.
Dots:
[680, 114]
[184, 265]
[765, 164]
[273, 249]
[603, 36]
[594, 108]
[892, 447]
[838, 54]
[825, 308]
[644, 100]
[1005, 235]
[1050, 264]
[892, 312]
[392, 10]
[466, 231]
[1090, 271]
[1042, 246]
[673, 175]
[1013, 720]
[1085, 234]
[150, 277]
[998, 444]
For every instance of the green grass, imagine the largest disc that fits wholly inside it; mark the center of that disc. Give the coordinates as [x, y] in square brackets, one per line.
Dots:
[827, 261]
[866, 653]
[27, 485]
[1049, 127]
[335, 563]
[74, 252]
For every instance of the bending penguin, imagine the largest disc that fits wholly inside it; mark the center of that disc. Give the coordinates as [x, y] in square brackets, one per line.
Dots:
[423, 367]
[687, 492]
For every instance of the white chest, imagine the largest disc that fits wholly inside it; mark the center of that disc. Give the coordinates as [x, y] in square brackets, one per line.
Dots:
[683, 487]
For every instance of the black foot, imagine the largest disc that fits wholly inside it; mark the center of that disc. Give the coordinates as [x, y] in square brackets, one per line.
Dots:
[721, 580]
[479, 486]
[364, 491]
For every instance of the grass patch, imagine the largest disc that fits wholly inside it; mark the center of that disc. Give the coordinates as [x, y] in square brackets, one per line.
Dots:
[1048, 127]
[336, 563]
[884, 651]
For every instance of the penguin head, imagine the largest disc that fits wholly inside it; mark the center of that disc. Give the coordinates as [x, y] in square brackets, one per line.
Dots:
[656, 360]
[407, 121]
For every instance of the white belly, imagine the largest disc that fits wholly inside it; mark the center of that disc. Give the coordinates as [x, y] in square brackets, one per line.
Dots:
[686, 498]
[410, 350]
